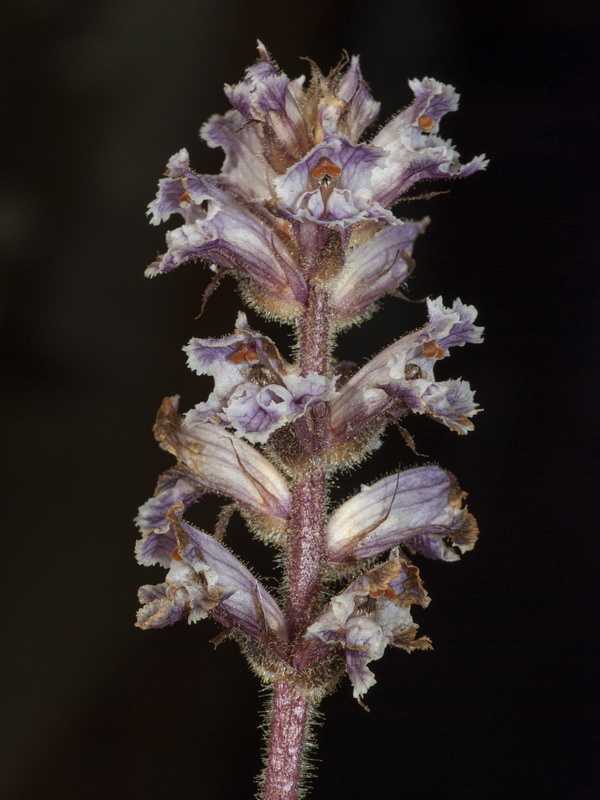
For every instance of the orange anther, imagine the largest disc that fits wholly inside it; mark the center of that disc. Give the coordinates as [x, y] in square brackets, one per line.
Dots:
[426, 123]
[243, 354]
[176, 555]
[325, 168]
[432, 350]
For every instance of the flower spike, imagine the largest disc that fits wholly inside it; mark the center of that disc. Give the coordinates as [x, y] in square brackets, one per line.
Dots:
[301, 216]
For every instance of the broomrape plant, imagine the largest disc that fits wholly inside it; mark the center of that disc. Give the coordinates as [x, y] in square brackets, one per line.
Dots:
[300, 216]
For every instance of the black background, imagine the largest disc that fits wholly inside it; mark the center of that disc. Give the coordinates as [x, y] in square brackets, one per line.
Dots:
[96, 97]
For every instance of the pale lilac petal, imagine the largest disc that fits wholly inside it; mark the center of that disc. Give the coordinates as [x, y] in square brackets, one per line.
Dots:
[269, 100]
[404, 168]
[162, 605]
[184, 593]
[364, 642]
[331, 185]
[374, 268]
[415, 151]
[432, 101]
[450, 402]
[223, 463]
[242, 95]
[245, 169]
[363, 109]
[256, 390]
[156, 546]
[222, 229]
[204, 579]
[245, 602]
[401, 378]
[174, 486]
[371, 613]
[449, 331]
[418, 507]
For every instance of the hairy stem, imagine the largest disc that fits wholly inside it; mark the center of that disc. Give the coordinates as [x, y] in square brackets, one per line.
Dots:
[314, 333]
[289, 718]
[305, 562]
[305, 551]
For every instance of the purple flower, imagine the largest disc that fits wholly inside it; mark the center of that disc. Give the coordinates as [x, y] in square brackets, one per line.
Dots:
[400, 379]
[331, 185]
[220, 228]
[272, 103]
[221, 462]
[245, 170]
[359, 109]
[373, 269]
[256, 391]
[294, 165]
[414, 150]
[370, 614]
[176, 485]
[420, 507]
[204, 579]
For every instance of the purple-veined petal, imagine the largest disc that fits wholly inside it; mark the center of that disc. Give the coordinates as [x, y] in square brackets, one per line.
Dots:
[371, 613]
[163, 604]
[221, 462]
[222, 229]
[374, 268]
[363, 109]
[269, 100]
[176, 485]
[245, 169]
[331, 185]
[400, 379]
[256, 390]
[156, 546]
[421, 507]
[206, 579]
[414, 151]
[432, 101]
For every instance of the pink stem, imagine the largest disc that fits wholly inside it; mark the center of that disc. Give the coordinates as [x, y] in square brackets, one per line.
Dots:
[289, 717]
[304, 567]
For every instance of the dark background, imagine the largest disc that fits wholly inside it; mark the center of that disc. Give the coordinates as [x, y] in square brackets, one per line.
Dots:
[96, 97]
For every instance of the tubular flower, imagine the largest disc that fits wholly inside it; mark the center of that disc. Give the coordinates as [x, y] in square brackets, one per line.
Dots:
[204, 579]
[256, 391]
[217, 461]
[300, 215]
[370, 614]
[421, 507]
[400, 379]
[222, 229]
[375, 268]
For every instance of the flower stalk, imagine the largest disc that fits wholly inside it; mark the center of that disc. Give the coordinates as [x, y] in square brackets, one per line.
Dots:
[289, 718]
[300, 216]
